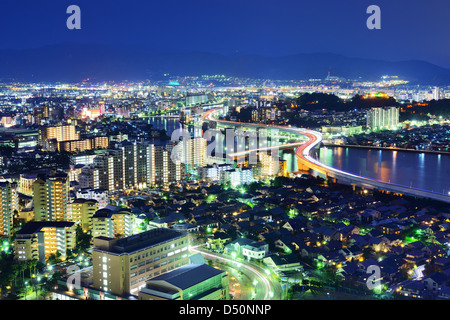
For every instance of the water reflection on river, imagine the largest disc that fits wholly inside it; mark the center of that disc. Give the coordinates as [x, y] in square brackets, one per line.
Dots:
[427, 171]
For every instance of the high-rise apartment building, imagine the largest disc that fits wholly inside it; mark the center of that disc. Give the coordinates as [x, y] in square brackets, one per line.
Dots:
[383, 118]
[39, 240]
[122, 266]
[26, 183]
[59, 134]
[437, 95]
[213, 172]
[8, 203]
[51, 197]
[134, 166]
[113, 222]
[82, 211]
[238, 176]
[84, 144]
[191, 152]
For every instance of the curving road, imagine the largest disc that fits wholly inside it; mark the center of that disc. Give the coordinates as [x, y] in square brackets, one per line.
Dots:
[265, 287]
[303, 153]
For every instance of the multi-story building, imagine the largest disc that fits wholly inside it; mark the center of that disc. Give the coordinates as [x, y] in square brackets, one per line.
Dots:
[84, 144]
[189, 282]
[238, 176]
[136, 166]
[59, 134]
[113, 222]
[383, 118]
[168, 169]
[26, 183]
[122, 266]
[191, 152]
[213, 172]
[86, 177]
[82, 211]
[265, 112]
[8, 203]
[51, 197]
[270, 165]
[39, 240]
[99, 195]
[437, 94]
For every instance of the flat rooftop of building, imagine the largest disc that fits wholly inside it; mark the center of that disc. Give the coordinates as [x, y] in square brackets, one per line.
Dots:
[36, 226]
[142, 240]
[187, 276]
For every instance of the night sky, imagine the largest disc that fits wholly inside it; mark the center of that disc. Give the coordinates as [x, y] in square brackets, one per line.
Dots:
[411, 29]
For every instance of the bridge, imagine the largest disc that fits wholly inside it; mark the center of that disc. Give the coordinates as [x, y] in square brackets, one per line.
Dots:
[307, 163]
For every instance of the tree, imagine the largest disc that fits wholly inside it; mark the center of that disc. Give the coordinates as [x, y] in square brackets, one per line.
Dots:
[83, 239]
[33, 264]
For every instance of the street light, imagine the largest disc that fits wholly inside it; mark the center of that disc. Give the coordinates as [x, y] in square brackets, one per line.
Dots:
[26, 289]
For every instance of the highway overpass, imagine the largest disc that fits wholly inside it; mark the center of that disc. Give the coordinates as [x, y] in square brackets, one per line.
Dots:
[307, 161]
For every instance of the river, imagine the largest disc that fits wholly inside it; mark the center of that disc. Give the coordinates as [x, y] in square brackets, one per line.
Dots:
[427, 171]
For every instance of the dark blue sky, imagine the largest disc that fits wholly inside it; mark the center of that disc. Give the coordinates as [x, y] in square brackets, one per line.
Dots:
[411, 29]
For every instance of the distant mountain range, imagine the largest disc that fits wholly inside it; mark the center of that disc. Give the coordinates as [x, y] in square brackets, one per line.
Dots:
[73, 63]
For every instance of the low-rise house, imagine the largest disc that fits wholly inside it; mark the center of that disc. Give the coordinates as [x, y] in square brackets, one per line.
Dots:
[218, 241]
[412, 289]
[248, 248]
[435, 281]
[415, 257]
[255, 251]
[282, 262]
[444, 292]
[378, 244]
[351, 253]
[331, 259]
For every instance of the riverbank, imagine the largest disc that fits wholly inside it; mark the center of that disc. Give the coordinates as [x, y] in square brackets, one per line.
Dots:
[384, 148]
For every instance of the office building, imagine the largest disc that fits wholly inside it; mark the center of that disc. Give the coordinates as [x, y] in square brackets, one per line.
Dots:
[122, 266]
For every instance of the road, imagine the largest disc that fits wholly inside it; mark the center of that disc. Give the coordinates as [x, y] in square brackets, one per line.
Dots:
[265, 287]
[303, 153]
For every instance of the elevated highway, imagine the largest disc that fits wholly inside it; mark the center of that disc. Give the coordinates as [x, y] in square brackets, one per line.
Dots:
[304, 155]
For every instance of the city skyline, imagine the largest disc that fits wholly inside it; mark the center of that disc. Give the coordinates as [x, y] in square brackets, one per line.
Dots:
[229, 151]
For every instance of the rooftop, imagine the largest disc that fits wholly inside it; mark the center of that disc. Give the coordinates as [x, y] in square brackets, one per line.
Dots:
[188, 275]
[139, 241]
